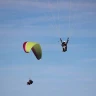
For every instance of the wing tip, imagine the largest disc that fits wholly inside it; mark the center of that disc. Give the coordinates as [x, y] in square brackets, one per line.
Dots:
[24, 44]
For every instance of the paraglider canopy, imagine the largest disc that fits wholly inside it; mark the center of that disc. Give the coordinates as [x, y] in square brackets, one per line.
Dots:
[35, 47]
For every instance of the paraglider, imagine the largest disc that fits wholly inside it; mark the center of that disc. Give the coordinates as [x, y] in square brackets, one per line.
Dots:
[35, 47]
[29, 82]
[64, 44]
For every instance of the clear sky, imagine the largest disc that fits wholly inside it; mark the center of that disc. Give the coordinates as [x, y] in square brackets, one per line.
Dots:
[44, 21]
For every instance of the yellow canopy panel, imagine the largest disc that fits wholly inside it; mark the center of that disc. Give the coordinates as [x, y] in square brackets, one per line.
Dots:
[35, 47]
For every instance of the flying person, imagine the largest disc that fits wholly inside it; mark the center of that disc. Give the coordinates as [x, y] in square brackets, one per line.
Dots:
[64, 44]
[29, 82]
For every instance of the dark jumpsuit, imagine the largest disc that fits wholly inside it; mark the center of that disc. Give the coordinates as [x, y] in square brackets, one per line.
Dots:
[29, 82]
[64, 44]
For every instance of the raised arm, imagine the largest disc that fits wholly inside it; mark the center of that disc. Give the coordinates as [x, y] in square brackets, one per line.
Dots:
[61, 40]
[67, 40]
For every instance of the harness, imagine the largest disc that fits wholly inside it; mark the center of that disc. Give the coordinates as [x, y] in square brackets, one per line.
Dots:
[64, 44]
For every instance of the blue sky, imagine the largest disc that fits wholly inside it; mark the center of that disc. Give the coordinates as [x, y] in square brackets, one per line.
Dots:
[44, 21]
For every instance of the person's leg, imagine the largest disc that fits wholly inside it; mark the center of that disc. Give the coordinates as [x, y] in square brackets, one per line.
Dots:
[28, 83]
[63, 50]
